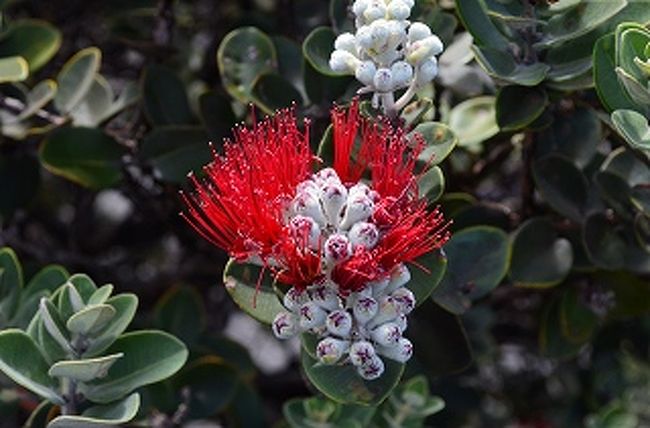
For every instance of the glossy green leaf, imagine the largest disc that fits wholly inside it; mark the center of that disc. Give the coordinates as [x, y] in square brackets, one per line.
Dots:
[84, 155]
[342, 383]
[38, 97]
[475, 19]
[562, 185]
[426, 275]
[603, 242]
[244, 54]
[22, 362]
[440, 141]
[180, 311]
[164, 97]
[149, 357]
[106, 416]
[76, 78]
[36, 41]
[318, 47]
[552, 341]
[431, 184]
[95, 106]
[212, 384]
[272, 92]
[474, 121]
[13, 69]
[626, 165]
[502, 66]
[577, 321]
[241, 283]
[90, 320]
[101, 295]
[634, 128]
[539, 258]
[84, 370]
[478, 259]
[11, 282]
[174, 151]
[519, 106]
[612, 94]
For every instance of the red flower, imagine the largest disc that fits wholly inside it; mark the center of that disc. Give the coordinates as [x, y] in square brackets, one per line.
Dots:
[261, 201]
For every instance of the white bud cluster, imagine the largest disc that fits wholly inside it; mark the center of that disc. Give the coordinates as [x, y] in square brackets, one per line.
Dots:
[387, 52]
[361, 327]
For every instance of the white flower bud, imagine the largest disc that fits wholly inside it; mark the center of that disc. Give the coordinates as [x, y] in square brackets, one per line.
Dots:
[285, 325]
[364, 37]
[397, 9]
[380, 34]
[305, 229]
[360, 6]
[339, 323]
[359, 208]
[424, 49]
[362, 353]
[405, 300]
[402, 74]
[383, 80]
[294, 298]
[401, 352]
[359, 189]
[346, 42]
[388, 311]
[343, 62]
[311, 316]
[325, 175]
[337, 248]
[307, 204]
[365, 72]
[374, 12]
[386, 334]
[330, 350]
[365, 308]
[399, 277]
[418, 31]
[325, 297]
[363, 234]
[333, 196]
[372, 370]
[378, 287]
[402, 322]
[427, 71]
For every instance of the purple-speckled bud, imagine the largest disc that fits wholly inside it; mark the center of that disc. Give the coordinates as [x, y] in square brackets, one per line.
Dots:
[401, 352]
[339, 323]
[398, 278]
[330, 350]
[285, 325]
[364, 309]
[372, 370]
[386, 334]
[405, 300]
[333, 196]
[305, 229]
[361, 353]
[337, 248]
[325, 297]
[293, 298]
[363, 234]
[311, 316]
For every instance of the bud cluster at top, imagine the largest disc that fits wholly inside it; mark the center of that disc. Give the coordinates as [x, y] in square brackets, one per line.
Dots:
[387, 53]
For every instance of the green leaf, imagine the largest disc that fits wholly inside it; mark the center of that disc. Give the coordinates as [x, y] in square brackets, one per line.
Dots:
[180, 311]
[84, 155]
[577, 321]
[610, 91]
[76, 78]
[22, 362]
[101, 295]
[502, 66]
[13, 69]
[84, 370]
[212, 384]
[40, 416]
[519, 106]
[47, 279]
[475, 19]
[634, 128]
[36, 41]
[431, 184]
[478, 259]
[125, 306]
[90, 320]
[626, 165]
[174, 151]
[11, 282]
[37, 98]
[562, 185]
[424, 282]
[216, 114]
[440, 141]
[95, 106]
[244, 54]
[474, 121]
[106, 416]
[603, 242]
[342, 384]
[149, 357]
[164, 97]
[272, 92]
[439, 341]
[552, 341]
[539, 258]
[53, 336]
[241, 282]
[318, 47]
[579, 20]
[20, 176]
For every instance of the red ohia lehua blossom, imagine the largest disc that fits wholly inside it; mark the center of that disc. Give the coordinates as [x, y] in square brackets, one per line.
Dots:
[340, 237]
